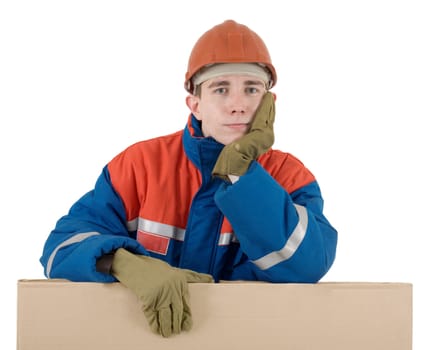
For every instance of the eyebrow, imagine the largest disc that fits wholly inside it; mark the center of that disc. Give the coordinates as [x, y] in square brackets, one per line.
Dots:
[220, 83]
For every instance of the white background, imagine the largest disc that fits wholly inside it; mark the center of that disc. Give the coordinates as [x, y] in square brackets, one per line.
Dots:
[81, 80]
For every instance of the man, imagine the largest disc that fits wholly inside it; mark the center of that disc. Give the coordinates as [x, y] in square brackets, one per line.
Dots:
[211, 202]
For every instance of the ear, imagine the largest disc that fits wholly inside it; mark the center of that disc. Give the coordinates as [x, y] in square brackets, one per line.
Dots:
[193, 103]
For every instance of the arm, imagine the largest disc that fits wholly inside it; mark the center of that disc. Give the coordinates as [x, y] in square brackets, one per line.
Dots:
[95, 226]
[88, 245]
[285, 236]
[281, 229]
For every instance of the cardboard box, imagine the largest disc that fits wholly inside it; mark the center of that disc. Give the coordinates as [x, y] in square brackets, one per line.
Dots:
[62, 315]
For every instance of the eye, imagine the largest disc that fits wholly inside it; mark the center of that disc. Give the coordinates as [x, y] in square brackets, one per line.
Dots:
[252, 90]
[220, 90]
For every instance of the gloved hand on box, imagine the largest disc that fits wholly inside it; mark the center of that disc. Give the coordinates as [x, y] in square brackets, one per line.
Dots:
[162, 289]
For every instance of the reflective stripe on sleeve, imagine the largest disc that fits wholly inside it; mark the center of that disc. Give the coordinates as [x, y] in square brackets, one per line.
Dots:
[291, 245]
[74, 239]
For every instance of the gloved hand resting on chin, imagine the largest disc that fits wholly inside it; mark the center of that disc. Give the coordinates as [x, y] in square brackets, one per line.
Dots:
[162, 289]
[236, 157]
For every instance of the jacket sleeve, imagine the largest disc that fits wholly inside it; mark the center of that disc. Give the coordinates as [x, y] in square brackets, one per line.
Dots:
[285, 235]
[94, 226]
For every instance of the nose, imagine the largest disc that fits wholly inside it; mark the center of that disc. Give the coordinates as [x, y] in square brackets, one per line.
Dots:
[237, 103]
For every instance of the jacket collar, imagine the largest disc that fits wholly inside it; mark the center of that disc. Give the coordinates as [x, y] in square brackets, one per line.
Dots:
[202, 151]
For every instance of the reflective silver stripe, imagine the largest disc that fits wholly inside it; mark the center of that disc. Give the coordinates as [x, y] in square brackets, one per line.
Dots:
[132, 225]
[74, 239]
[226, 238]
[290, 247]
[161, 229]
[169, 231]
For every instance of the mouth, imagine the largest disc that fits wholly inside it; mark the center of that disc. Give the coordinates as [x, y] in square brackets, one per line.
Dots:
[237, 126]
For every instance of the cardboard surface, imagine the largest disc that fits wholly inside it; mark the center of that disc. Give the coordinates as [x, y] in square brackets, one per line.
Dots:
[62, 315]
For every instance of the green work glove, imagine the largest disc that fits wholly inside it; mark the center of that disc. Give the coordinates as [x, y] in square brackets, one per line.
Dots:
[236, 157]
[162, 289]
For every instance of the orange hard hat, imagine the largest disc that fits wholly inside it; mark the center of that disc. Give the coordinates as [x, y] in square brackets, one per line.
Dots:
[228, 42]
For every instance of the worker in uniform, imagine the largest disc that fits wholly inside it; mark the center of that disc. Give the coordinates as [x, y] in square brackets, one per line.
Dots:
[211, 202]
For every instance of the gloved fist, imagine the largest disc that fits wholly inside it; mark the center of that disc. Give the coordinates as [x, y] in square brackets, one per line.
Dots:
[236, 157]
[162, 289]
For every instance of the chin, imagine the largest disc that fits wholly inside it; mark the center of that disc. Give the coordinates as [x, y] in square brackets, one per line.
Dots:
[229, 139]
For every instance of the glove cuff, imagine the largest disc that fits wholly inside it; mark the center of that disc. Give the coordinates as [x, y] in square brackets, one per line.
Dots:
[234, 163]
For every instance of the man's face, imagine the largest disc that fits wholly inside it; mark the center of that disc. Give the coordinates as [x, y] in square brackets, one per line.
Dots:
[227, 106]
